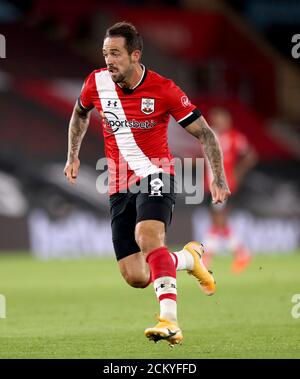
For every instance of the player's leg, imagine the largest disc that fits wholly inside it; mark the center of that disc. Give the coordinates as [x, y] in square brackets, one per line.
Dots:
[216, 231]
[150, 236]
[222, 229]
[242, 259]
[241, 255]
[154, 212]
[135, 270]
[131, 261]
[190, 258]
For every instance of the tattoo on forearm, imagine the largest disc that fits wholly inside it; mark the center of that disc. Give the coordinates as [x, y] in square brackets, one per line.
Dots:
[204, 133]
[214, 155]
[77, 129]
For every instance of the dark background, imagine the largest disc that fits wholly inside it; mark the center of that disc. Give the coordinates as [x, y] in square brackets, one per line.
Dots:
[235, 54]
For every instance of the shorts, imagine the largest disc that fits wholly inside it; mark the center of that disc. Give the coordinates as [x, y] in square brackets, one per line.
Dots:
[153, 198]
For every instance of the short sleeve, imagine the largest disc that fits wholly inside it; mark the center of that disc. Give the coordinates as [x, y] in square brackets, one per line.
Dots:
[85, 99]
[180, 106]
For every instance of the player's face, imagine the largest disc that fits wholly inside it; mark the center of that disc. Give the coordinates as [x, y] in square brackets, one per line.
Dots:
[119, 63]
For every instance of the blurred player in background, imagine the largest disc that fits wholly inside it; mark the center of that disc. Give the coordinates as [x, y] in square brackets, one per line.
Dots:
[135, 105]
[239, 158]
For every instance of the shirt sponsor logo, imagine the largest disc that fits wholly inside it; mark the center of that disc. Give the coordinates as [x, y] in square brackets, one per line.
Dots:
[112, 124]
[147, 106]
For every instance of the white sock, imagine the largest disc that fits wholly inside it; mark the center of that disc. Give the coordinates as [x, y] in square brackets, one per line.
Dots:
[185, 260]
[168, 310]
[168, 307]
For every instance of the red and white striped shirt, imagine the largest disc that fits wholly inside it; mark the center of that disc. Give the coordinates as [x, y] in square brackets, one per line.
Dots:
[135, 128]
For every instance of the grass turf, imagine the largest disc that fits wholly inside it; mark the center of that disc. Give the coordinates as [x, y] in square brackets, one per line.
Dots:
[83, 309]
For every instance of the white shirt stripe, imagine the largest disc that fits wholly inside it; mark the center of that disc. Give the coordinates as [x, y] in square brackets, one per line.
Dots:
[133, 155]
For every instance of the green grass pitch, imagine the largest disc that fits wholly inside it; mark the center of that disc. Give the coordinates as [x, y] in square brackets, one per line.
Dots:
[83, 309]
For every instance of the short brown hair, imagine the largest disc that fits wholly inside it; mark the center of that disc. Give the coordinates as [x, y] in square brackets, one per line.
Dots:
[133, 39]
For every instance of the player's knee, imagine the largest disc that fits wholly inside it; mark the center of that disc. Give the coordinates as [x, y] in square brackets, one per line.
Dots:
[149, 236]
[148, 242]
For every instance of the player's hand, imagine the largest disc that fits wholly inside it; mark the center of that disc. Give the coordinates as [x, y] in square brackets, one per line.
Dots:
[71, 170]
[219, 191]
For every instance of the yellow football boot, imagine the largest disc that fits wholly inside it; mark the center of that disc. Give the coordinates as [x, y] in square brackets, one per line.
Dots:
[200, 272]
[165, 330]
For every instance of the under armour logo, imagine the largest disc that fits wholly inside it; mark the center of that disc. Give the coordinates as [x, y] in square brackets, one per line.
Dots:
[109, 103]
[156, 185]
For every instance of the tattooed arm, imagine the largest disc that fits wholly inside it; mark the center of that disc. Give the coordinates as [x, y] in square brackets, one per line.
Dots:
[201, 130]
[77, 128]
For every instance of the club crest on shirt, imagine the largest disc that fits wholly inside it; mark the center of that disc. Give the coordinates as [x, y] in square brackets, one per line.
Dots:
[147, 106]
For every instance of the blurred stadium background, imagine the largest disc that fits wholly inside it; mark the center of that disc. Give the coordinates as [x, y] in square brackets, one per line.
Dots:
[235, 54]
